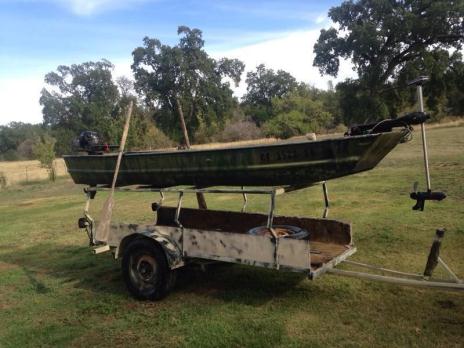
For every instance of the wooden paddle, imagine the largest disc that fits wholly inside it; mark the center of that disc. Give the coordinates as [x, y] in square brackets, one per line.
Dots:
[103, 228]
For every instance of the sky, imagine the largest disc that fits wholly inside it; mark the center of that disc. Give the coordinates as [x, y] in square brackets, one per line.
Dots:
[38, 35]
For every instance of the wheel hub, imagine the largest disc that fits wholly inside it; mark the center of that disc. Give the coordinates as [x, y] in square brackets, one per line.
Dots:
[146, 268]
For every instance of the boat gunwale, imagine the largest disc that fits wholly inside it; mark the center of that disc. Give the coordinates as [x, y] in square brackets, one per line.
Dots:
[234, 148]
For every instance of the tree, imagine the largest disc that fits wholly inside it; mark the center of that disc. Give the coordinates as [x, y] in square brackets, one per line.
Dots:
[45, 153]
[183, 84]
[125, 85]
[16, 140]
[297, 114]
[381, 37]
[445, 90]
[263, 85]
[82, 96]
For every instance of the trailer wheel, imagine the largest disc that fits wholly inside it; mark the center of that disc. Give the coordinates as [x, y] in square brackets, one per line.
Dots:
[145, 271]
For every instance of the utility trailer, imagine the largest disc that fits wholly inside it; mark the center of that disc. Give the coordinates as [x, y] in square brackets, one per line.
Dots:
[152, 253]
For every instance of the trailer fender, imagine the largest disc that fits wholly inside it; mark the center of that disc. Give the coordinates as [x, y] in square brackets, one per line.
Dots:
[171, 249]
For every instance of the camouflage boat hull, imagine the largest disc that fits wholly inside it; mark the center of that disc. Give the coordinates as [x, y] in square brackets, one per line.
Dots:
[283, 163]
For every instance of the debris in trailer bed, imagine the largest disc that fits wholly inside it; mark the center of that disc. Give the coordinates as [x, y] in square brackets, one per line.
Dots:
[288, 231]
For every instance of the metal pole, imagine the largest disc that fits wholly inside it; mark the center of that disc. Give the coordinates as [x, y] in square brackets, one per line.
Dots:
[326, 200]
[424, 140]
[451, 273]
[400, 281]
[179, 205]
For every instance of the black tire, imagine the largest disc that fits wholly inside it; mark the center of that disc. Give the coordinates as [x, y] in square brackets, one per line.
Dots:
[145, 270]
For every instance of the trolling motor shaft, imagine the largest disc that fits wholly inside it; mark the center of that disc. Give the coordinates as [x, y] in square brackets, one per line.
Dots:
[429, 195]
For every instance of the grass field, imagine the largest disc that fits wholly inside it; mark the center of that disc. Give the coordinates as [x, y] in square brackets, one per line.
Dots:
[26, 172]
[54, 292]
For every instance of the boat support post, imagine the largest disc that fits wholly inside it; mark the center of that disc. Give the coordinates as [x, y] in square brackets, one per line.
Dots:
[326, 200]
[245, 200]
[179, 206]
[270, 220]
[421, 197]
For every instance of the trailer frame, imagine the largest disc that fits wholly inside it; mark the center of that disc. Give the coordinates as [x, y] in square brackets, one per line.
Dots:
[185, 244]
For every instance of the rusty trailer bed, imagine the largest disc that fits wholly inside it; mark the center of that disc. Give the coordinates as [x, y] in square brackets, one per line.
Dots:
[214, 234]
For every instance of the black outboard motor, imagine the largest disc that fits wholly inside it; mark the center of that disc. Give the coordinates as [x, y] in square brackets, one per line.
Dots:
[91, 143]
[88, 140]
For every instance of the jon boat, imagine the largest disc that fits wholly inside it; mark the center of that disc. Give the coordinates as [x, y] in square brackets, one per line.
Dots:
[292, 163]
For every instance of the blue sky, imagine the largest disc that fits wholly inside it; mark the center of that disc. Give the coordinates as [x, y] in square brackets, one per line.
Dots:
[38, 35]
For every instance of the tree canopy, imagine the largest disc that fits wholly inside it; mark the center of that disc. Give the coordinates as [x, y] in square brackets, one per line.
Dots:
[297, 113]
[85, 97]
[383, 39]
[381, 36]
[263, 85]
[79, 97]
[184, 83]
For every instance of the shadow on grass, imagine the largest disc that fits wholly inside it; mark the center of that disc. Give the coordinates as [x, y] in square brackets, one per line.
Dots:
[102, 274]
[39, 287]
[240, 284]
[97, 273]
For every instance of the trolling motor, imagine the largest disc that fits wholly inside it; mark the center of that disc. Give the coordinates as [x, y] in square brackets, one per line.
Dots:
[91, 143]
[429, 195]
[387, 125]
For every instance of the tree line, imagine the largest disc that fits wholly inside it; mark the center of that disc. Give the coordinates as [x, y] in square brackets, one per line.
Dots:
[182, 95]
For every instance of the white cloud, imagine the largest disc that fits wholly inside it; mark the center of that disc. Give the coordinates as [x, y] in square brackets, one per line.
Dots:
[19, 98]
[89, 7]
[322, 18]
[19, 95]
[293, 53]
[122, 67]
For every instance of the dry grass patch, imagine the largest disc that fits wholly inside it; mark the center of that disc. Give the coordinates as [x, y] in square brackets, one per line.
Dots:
[17, 172]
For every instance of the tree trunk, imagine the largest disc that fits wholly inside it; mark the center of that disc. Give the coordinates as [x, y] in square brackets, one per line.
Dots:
[200, 197]
[182, 123]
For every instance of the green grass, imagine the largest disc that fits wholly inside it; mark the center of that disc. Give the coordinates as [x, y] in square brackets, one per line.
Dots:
[54, 292]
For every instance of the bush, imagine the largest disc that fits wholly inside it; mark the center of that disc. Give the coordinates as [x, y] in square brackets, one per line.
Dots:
[156, 139]
[239, 129]
[143, 133]
[287, 125]
[297, 115]
[26, 149]
[45, 153]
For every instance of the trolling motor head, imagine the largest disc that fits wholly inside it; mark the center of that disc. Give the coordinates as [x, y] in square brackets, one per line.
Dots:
[406, 121]
[429, 195]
